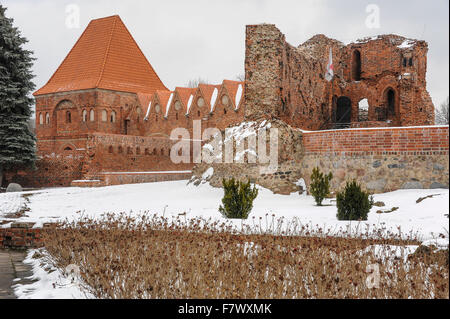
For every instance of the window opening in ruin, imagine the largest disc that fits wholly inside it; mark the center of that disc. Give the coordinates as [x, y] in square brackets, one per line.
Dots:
[410, 62]
[162, 152]
[68, 117]
[92, 116]
[113, 117]
[390, 99]
[356, 65]
[68, 148]
[344, 110]
[41, 119]
[363, 110]
[84, 116]
[110, 149]
[405, 61]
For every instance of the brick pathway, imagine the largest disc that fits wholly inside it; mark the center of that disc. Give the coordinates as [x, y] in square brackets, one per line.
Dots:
[11, 268]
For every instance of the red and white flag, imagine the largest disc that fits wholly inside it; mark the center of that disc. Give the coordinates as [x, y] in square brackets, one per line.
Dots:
[330, 68]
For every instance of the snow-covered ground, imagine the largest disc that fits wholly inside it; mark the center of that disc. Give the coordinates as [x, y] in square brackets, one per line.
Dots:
[50, 282]
[426, 219]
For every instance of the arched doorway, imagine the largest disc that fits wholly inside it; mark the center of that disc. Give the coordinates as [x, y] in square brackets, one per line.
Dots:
[344, 110]
[356, 66]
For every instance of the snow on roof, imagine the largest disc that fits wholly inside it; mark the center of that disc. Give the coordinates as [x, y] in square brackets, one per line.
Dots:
[238, 96]
[214, 98]
[406, 44]
[148, 111]
[168, 104]
[189, 103]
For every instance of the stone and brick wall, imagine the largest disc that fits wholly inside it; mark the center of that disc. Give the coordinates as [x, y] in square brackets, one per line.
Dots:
[381, 159]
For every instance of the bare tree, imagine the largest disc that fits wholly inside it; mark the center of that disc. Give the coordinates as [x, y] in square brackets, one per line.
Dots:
[240, 77]
[195, 82]
[442, 113]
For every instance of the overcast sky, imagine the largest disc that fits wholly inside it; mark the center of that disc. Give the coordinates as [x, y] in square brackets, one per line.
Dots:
[184, 39]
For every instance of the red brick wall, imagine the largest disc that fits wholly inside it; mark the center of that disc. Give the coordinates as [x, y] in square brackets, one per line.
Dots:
[138, 153]
[431, 140]
[20, 236]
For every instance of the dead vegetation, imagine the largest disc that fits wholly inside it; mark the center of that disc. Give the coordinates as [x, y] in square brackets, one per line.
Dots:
[154, 257]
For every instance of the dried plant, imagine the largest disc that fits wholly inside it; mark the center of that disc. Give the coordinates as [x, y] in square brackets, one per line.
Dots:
[156, 257]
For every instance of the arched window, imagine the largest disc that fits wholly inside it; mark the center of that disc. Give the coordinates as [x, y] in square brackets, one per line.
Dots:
[47, 118]
[176, 116]
[356, 66]
[84, 116]
[113, 117]
[68, 117]
[162, 152]
[68, 148]
[224, 111]
[41, 119]
[111, 149]
[198, 113]
[104, 116]
[154, 151]
[92, 116]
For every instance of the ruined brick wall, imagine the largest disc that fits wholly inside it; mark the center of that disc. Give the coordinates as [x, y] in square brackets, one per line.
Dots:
[288, 82]
[51, 170]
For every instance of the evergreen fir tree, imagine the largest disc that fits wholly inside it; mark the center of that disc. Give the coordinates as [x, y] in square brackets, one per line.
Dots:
[17, 143]
[238, 199]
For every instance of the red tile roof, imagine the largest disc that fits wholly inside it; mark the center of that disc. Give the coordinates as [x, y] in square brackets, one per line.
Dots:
[232, 88]
[184, 95]
[105, 56]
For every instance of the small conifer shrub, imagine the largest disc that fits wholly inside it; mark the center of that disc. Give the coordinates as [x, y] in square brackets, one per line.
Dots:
[320, 185]
[353, 203]
[238, 199]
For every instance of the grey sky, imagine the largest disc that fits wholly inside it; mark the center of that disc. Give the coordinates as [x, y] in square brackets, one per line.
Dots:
[205, 38]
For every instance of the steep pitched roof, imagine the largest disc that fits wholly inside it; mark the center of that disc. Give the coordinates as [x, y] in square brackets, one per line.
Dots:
[107, 57]
[235, 89]
[185, 95]
[207, 90]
